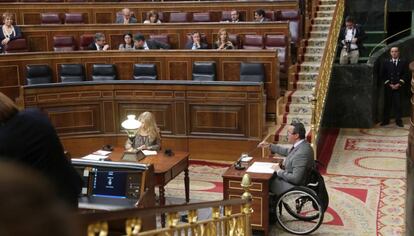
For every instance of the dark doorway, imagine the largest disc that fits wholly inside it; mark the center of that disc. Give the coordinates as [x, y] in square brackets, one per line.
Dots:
[397, 22]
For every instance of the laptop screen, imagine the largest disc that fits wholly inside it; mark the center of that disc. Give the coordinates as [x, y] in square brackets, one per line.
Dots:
[109, 183]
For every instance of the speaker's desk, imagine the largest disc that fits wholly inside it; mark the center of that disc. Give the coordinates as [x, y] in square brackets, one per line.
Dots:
[166, 168]
[260, 193]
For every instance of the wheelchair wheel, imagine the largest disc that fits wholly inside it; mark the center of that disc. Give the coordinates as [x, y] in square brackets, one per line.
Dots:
[299, 211]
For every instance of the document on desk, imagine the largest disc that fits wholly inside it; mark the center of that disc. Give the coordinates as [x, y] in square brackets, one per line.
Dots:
[261, 167]
[149, 152]
[94, 157]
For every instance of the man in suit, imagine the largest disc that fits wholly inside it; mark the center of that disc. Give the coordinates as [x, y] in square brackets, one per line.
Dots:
[141, 44]
[260, 16]
[395, 75]
[99, 44]
[126, 17]
[196, 42]
[298, 161]
[351, 38]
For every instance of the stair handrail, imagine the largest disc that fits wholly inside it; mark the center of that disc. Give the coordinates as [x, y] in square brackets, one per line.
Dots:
[324, 74]
[225, 217]
[384, 40]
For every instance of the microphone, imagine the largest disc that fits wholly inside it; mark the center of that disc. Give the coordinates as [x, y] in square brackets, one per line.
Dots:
[238, 164]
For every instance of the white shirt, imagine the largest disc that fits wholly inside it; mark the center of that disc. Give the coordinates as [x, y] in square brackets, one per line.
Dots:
[349, 36]
[145, 46]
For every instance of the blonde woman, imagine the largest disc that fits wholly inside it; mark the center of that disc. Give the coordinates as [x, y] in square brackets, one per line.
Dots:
[8, 31]
[223, 41]
[148, 134]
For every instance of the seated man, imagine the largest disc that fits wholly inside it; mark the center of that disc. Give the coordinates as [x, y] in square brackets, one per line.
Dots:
[196, 42]
[126, 17]
[298, 163]
[140, 43]
[99, 44]
[260, 16]
[234, 17]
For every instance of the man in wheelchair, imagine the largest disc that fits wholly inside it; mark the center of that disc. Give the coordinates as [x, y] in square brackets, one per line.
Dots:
[296, 185]
[298, 161]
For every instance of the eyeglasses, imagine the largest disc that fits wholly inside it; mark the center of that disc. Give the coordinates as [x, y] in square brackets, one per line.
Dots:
[290, 133]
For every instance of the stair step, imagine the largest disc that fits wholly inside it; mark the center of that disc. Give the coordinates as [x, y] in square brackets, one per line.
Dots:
[322, 20]
[315, 49]
[319, 34]
[327, 2]
[307, 76]
[310, 66]
[328, 13]
[327, 7]
[321, 27]
[303, 118]
[299, 109]
[299, 96]
[313, 57]
[305, 85]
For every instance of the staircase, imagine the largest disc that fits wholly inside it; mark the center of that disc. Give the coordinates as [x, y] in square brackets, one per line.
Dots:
[296, 105]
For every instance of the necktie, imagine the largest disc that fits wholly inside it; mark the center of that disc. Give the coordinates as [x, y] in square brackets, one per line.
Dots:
[291, 149]
[395, 62]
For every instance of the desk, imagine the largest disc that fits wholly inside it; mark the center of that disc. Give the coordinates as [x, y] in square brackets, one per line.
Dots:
[166, 168]
[259, 190]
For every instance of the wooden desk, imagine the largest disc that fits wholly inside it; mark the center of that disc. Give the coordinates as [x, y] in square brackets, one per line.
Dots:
[259, 190]
[166, 168]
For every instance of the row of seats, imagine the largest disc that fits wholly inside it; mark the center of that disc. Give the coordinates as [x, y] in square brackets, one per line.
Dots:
[171, 17]
[202, 71]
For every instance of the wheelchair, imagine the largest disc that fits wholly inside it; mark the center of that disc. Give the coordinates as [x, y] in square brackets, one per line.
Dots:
[300, 210]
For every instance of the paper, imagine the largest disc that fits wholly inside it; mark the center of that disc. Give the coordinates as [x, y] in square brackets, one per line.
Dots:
[102, 153]
[94, 157]
[262, 167]
[149, 152]
[246, 159]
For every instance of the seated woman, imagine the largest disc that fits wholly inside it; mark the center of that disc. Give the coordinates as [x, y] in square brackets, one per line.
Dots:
[148, 134]
[128, 44]
[223, 41]
[153, 18]
[8, 30]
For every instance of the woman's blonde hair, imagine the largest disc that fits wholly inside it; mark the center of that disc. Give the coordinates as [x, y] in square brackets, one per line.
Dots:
[7, 15]
[7, 108]
[219, 33]
[149, 125]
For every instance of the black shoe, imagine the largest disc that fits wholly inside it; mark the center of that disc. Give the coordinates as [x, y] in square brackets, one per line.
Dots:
[384, 123]
[399, 123]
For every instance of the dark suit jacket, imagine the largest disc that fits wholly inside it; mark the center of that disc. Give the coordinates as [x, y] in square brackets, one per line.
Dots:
[29, 138]
[154, 44]
[120, 20]
[395, 74]
[92, 46]
[18, 34]
[359, 34]
[298, 164]
[189, 45]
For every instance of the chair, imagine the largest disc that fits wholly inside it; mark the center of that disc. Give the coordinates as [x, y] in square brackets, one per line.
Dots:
[85, 40]
[204, 70]
[293, 17]
[38, 74]
[145, 72]
[178, 17]
[253, 72]
[74, 18]
[253, 42]
[49, 18]
[279, 43]
[64, 43]
[235, 40]
[71, 73]
[16, 45]
[201, 17]
[161, 38]
[103, 72]
[270, 15]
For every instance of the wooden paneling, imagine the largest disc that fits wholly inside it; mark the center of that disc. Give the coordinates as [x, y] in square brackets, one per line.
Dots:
[29, 13]
[88, 112]
[182, 69]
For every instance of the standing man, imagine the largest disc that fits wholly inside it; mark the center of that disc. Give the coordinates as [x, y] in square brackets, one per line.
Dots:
[351, 37]
[298, 161]
[99, 44]
[395, 75]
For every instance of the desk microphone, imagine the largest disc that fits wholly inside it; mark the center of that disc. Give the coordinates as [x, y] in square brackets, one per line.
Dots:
[238, 165]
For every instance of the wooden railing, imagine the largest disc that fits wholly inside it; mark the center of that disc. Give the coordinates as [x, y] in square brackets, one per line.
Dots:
[231, 221]
[322, 84]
